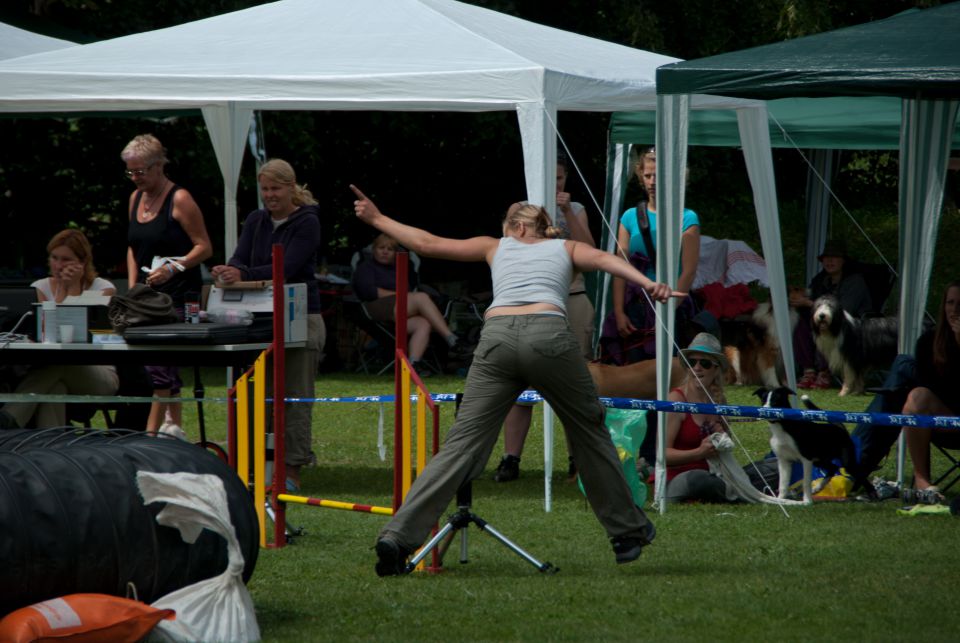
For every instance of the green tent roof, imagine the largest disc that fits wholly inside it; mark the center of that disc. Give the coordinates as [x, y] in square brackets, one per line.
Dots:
[910, 55]
[860, 123]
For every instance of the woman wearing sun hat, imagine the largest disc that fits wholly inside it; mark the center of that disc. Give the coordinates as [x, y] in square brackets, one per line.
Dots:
[688, 434]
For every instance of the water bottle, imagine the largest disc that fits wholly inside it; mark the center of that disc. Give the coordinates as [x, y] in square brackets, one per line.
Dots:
[49, 326]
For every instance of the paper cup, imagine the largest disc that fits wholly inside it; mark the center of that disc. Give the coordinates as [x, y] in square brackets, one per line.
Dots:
[66, 334]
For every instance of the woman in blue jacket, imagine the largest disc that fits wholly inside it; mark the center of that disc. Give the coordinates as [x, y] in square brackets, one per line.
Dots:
[289, 217]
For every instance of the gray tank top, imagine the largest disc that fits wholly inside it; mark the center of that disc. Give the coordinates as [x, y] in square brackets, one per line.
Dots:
[531, 273]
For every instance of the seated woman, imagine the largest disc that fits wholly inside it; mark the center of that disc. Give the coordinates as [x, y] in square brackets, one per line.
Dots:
[938, 380]
[71, 272]
[374, 282]
[688, 434]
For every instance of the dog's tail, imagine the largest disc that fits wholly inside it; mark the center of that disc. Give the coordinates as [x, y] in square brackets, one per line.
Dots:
[807, 402]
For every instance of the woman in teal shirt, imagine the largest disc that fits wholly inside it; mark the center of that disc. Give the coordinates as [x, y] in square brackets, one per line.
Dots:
[630, 238]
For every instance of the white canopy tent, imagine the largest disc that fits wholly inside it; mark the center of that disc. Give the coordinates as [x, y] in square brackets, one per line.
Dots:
[15, 42]
[430, 55]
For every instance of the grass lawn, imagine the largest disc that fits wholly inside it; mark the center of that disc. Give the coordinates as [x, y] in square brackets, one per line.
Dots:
[836, 571]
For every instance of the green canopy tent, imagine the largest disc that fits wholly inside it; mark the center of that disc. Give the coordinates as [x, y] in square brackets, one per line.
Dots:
[821, 125]
[912, 57]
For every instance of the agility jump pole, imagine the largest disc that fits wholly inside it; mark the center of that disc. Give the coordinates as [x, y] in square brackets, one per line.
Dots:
[239, 425]
[403, 373]
[404, 447]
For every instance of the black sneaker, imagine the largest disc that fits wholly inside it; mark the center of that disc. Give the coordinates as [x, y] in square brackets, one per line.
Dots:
[628, 548]
[391, 558]
[508, 469]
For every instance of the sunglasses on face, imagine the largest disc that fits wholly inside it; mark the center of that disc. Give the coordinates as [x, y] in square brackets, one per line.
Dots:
[704, 363]
[138, 173]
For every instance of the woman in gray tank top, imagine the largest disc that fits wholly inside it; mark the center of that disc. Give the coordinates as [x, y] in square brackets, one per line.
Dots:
[525, 340]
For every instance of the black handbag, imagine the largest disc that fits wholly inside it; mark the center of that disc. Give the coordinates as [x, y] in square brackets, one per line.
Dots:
[142, 305]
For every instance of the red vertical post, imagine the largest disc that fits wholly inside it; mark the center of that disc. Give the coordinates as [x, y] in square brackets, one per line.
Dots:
[400, 332]
[231, 427]
[279, 395]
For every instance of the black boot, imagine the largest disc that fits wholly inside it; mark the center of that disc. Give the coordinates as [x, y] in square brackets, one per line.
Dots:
[508, 469]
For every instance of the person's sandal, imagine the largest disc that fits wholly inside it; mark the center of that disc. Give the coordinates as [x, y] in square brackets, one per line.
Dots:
[808, 379]
[824, 380]
[929, 496]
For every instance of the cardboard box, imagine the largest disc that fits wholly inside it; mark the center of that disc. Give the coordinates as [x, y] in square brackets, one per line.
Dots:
[259, 301]
[82, 317]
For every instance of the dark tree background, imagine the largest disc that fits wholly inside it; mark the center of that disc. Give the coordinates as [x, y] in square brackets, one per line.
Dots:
[453, 172]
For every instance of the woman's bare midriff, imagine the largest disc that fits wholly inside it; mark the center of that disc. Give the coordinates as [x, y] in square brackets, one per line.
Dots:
[526, 309]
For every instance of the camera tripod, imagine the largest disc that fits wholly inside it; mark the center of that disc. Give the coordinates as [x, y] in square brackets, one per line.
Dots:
[460, 521]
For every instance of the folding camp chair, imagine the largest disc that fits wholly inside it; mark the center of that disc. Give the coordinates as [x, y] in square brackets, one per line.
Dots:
[953, 470]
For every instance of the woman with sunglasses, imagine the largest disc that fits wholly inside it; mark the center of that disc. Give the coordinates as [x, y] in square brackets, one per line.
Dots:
[167, 241]
[688, 434]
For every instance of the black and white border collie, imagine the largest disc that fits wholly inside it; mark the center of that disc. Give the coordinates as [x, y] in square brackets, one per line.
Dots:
[852, 346]
[810, 443]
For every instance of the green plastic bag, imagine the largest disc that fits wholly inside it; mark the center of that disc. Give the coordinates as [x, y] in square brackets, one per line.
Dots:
[627, 429]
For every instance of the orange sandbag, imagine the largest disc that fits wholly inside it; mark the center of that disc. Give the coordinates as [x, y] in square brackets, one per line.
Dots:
[86, 618]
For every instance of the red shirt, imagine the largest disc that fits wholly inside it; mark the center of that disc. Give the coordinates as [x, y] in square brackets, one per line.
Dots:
[688, 438]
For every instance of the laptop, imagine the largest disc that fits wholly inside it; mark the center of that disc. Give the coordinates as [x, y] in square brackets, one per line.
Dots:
[187, 333]
[14, 303]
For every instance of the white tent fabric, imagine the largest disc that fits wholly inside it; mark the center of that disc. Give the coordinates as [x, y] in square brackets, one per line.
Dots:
[431, 55]
[728, 262]
[16, 42]
[672, 118]
[436, 55]
[924, 154]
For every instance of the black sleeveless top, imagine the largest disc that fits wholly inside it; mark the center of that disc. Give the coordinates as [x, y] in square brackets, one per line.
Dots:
[163, 236]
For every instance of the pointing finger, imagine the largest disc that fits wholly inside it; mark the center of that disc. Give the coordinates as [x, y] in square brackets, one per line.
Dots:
[356, 190]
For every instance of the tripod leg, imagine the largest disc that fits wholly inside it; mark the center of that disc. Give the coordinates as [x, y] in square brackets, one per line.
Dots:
[463, 547]
[426, 549]
[290, 531]
[545, 567]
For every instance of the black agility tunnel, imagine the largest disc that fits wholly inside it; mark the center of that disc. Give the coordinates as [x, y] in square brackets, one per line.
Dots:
[72, 519]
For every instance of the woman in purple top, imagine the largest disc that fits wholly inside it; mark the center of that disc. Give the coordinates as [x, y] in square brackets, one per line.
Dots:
[375, 282]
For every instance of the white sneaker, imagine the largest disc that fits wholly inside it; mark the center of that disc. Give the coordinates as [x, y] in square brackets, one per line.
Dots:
[173, 430]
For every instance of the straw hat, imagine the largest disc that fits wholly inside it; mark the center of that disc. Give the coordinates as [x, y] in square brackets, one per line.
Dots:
[707, 344]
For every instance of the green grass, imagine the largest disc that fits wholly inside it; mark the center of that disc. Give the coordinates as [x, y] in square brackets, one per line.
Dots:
[836, 571]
